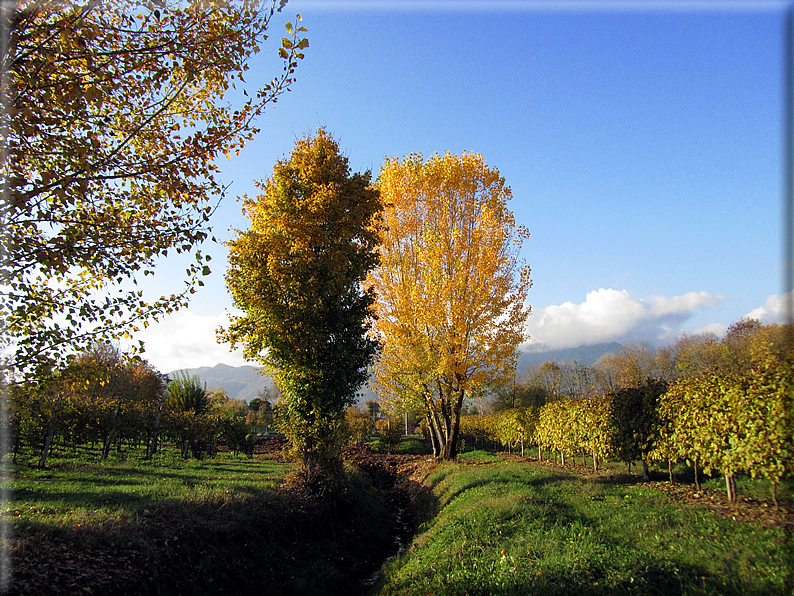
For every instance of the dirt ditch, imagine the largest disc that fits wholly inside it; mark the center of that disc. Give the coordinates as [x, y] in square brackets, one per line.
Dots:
[391, 476]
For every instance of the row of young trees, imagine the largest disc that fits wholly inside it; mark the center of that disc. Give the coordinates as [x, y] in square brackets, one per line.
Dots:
[723, 406]
[108, 400]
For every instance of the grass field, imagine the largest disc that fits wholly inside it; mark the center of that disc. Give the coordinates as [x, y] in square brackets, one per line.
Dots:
[172, 526]
[490, 526]
[79, 488]
[497, 527]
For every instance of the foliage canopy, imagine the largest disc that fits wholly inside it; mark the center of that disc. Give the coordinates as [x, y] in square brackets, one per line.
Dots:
[451, 289]
[115, 116]
[297, 274]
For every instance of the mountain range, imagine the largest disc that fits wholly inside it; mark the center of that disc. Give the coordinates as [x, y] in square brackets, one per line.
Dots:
[239, 382]
[244, 382]
[586, 355]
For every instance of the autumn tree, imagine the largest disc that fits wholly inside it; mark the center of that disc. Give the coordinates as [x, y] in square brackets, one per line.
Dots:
[120, 393]
[297, 274]
[116, 113]
[633, 364]
[359, 424]
[562, 379]
[99, 395]
[635, 420]
[768, 417]
[554, 429]
[450, 287]
[688, 356]
[519, 394]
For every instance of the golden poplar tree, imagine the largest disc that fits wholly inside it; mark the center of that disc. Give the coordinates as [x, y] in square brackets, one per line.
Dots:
[297, 274]
[450, 286]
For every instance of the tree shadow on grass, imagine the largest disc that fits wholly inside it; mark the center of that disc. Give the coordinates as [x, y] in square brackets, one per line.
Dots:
[274, 541]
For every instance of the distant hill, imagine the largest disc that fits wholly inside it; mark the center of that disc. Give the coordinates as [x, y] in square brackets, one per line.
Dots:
[239, 382]
[587, 355]
[243, 382]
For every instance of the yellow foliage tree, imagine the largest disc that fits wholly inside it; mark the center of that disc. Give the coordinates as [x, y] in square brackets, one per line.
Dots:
[297, 274]
[450, 287]
[114, 115]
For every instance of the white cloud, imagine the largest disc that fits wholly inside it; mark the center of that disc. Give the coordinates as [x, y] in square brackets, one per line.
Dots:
[718, 329]
[685, 304]
[187, 340]
[609, 315]
[773, 311]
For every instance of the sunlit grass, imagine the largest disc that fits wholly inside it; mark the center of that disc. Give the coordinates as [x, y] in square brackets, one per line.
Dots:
[72, 490]
[509, 528]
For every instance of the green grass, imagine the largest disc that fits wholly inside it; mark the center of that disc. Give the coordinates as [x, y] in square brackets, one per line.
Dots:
[479, 455]
[509, 528]
[172, 526]
[414, 445]
[74, 488]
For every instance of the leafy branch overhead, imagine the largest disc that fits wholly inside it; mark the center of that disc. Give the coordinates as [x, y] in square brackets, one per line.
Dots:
[116, 116]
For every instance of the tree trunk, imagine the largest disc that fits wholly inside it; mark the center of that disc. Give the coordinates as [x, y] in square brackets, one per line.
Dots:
[595, 461]
[439, 430]
[109, 438]
[189, 441]
[452, 426]
[153, 441]
[670, 470]
[450, 449]
[562, 458]
[774, 496]
[50, 432]
[697, 480]
[48, 440]
[215, 437]
[310, 464]
[432, 433]
[646, 475]
[730, 486]
[540, 453]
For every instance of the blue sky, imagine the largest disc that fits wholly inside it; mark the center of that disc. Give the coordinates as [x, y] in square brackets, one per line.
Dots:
[642, 142]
